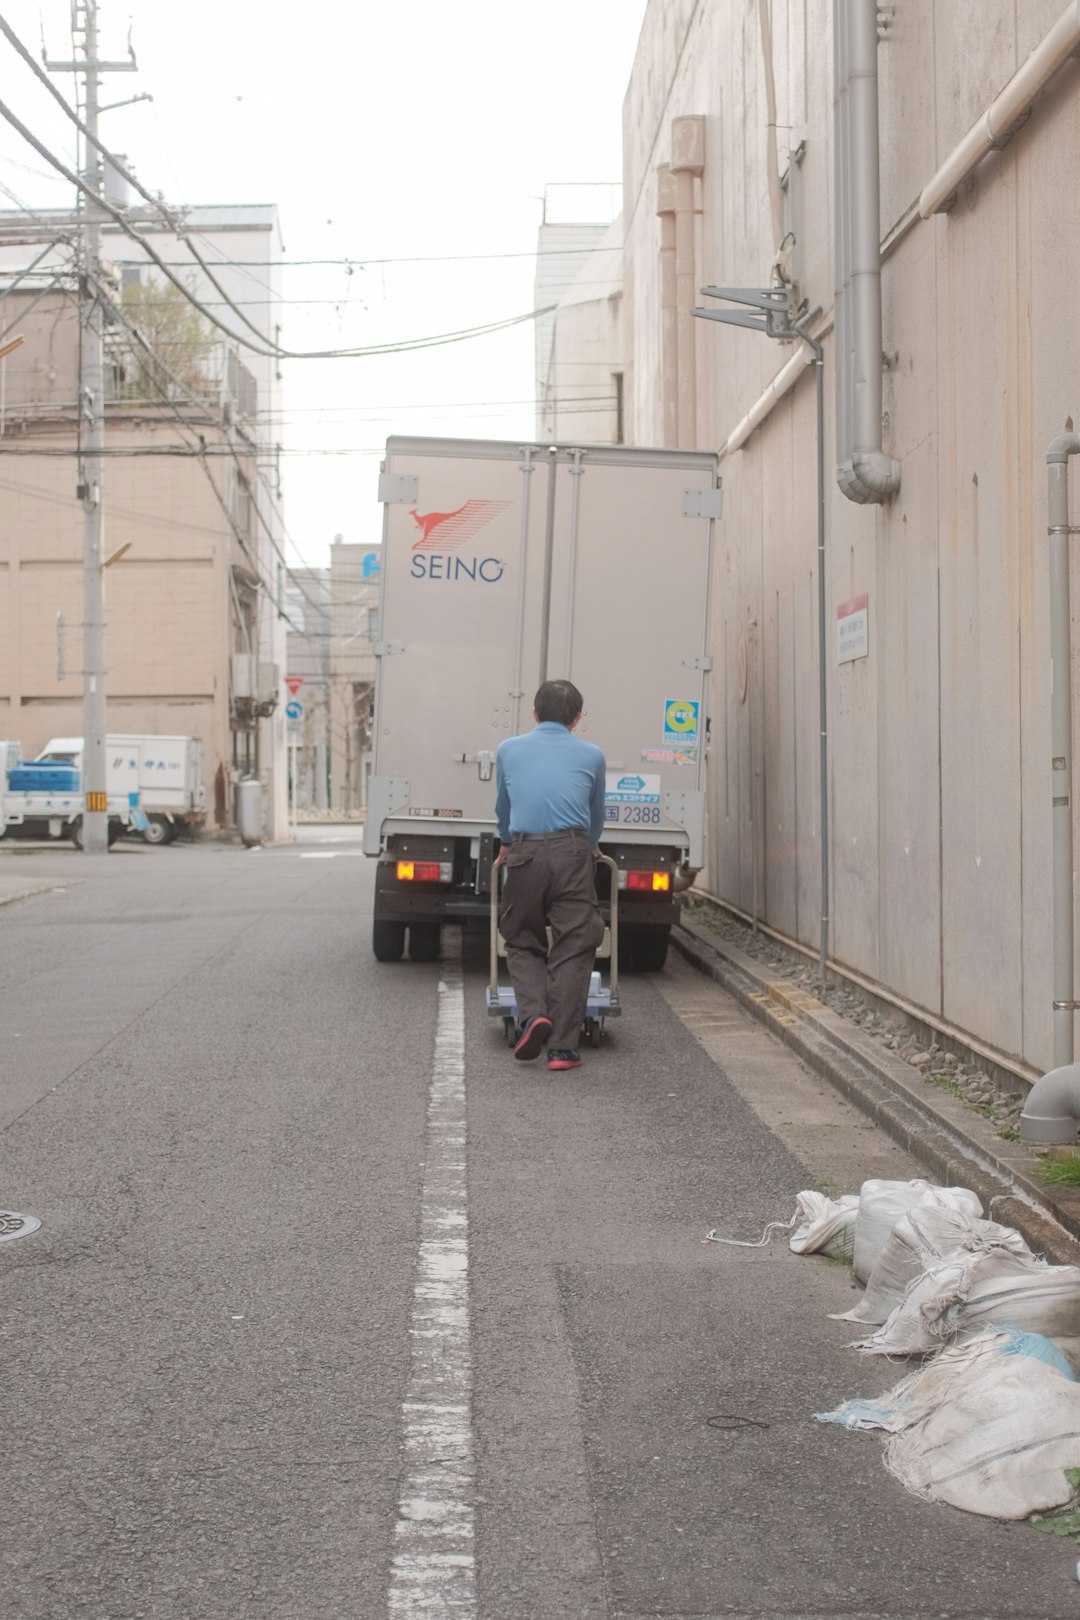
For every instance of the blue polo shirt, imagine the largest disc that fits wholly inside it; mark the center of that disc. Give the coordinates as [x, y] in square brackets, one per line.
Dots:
[548, 780]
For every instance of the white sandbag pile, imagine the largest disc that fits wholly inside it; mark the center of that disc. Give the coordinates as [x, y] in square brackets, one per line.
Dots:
[824, 1225]
[920, 1239]
[965, 1292]
[881, 1205]
[989, 1426]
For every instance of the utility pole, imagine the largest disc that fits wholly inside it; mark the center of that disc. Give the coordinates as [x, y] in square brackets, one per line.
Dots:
[95, 828]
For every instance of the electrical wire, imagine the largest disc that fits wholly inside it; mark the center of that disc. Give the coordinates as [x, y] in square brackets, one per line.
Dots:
[265, 347]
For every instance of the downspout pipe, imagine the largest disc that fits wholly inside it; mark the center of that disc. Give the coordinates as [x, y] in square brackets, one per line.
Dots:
[864, 472]
[1052, 1109]
[687, 164]
[669, 306]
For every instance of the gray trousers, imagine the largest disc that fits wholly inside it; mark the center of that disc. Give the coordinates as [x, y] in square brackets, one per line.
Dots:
[551, 883]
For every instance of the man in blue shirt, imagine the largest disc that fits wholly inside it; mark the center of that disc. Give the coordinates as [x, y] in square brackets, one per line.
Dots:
[550, 810]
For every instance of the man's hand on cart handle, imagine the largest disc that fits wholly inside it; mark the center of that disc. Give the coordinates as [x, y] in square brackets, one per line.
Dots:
[500, 858]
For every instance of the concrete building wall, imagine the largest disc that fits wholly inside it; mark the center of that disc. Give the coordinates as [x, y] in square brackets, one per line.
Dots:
[939, 738]
[204, 577]
[583, 386]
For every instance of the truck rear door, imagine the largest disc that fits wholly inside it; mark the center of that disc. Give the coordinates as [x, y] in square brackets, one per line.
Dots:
[631, 582]
[462, 567]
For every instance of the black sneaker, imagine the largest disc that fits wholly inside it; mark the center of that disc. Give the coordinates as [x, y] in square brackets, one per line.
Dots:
[568, 1058]
[534, 1032]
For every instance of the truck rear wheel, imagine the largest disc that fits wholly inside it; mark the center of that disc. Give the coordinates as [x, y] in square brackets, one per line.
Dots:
[647, 948]
[159, 831]
[424, 939]
[388, 941]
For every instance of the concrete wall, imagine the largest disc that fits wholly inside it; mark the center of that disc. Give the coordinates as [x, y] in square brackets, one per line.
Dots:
[939, 739]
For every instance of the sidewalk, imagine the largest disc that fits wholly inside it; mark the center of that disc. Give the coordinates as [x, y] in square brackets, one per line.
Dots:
[952, 1117]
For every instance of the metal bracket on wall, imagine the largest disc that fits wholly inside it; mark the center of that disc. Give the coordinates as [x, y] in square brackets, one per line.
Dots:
[775, 306]
[399, 489]
[703, 502]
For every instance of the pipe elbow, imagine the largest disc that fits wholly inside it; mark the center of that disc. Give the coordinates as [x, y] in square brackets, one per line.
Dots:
[878, 473]
[869, 478]
[685, 878]
[1060, 449]
[1052, 1110]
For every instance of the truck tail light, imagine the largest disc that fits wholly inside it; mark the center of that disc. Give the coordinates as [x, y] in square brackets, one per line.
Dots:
[652, 882]
[425, 871]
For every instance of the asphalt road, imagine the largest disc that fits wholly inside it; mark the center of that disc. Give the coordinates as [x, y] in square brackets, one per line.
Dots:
[338, 1313]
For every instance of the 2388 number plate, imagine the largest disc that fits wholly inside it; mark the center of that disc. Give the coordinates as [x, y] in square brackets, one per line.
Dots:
[632, 815]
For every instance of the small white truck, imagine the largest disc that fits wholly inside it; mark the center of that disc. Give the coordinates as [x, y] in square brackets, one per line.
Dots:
[168, 772]
[43, 800]
[505, 565]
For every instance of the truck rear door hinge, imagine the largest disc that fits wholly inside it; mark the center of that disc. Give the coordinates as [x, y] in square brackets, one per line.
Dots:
[704, 663]
[485, 760]
[384, 649]
[399, 489]
[703, 502]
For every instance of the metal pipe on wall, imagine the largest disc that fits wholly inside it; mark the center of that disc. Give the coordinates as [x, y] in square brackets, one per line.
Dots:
[1004, 112]
[1057, 472]
[1052, 1107]
[687, 164]
[669, 306]
[864, 472]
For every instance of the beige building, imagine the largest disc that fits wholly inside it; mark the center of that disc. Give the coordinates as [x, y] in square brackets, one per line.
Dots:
[744, 147]
[194, 639]
[333, 614]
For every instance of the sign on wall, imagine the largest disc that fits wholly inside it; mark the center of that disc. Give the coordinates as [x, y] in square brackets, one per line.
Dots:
[853, 629]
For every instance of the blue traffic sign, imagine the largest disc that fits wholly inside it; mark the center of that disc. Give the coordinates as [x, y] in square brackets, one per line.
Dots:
[294, 710]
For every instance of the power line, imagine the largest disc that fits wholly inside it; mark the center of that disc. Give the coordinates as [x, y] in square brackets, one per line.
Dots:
[265, 348]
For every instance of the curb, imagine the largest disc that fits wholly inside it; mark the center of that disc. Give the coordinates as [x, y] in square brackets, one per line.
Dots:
[28, 894]
[956, 1145]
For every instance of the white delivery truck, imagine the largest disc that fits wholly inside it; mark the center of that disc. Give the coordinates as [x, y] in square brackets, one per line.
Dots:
[168, 771]
[42, 799]
[505, 565]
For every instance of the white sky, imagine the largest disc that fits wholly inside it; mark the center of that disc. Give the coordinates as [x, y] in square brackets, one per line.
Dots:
[398, 130]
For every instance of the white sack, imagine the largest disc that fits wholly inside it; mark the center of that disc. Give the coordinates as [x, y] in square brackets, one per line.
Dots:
[882, 1203]
[922, 1392]
[1001, 1431]
[824, 1225]
[967, 1292]
[920, 1239]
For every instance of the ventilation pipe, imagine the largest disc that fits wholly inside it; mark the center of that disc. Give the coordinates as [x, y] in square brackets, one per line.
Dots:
[669, 307]
[1052, 1109]
[687, 164]
[864, 472]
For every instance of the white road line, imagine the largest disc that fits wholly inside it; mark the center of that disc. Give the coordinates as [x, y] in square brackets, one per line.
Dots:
[434, 1569]
[318, 854]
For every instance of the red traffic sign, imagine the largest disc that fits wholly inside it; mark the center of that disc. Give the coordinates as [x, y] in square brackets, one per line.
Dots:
[294, 683]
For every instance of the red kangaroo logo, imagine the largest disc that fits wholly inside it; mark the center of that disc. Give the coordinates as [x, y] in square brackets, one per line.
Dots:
[445, 531]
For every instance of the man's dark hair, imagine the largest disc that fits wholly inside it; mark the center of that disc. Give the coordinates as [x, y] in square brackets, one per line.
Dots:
[560, 701]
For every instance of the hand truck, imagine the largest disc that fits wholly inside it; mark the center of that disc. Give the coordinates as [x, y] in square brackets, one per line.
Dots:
[603, 1001]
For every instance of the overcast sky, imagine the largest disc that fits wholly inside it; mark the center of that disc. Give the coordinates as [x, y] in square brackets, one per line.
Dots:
[413, 131]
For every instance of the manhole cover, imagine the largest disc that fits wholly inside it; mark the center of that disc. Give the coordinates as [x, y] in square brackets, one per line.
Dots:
[13, 1226]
